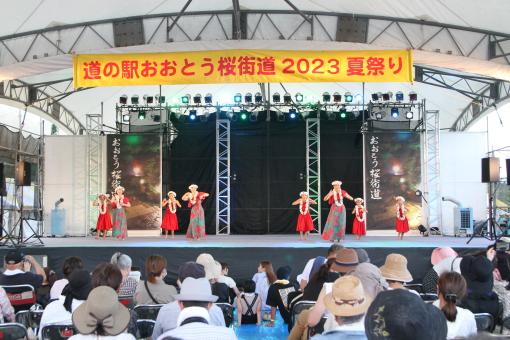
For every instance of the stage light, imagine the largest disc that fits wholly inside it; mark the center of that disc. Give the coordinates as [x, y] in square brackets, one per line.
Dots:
[413, 96]
[134, 99]
[409, 115]
[141, 115]
[399, 96]
[148, 99]
[248, 98]
[287, 98]
[387, 96]
[243, 115]
[185, 99]
[254, 116]
[343, 112]
[123, 99]
[375, 97]
[326, 97]
[348, 97]
[125, 118]
[394, 112]
[197, 99]
[156, 118]
[276, 97]
[258, 98]
[160, 99]
[237, 98]
[292, 114]
[208, 98]
[299, 97]
[192, 115]
[337, 98]
[380, 115]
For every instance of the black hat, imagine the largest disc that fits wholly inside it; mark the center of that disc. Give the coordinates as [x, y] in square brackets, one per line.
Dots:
[477, 270]
[78, 288]
[283, 273]
[190, 269]
[400, 315]
[14, 256]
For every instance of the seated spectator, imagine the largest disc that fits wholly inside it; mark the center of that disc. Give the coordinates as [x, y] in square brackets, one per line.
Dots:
[129, 284]
[167, 317]
[328, 272]
[400, 315]
[371, 279]
[70, 264]
[101, 316]
[73, 295]
[17, 270]
[195, 301]
[480, 298]
[362, 255]
[213, 273]
[348, 304]
[395, 272]
[314, 264]
[277, 295]
[502, 283]
[6, 309]
[452, 288]
[224, 278]
[264, 277]
[441, 253]
[43, 293]
[154, 290]
[249, 305]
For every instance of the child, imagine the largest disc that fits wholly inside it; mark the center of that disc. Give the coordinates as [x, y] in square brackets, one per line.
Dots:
[249, 305]
[360, 213]
[401, 223]
[170, 219]
[104, 220]
[304, 222]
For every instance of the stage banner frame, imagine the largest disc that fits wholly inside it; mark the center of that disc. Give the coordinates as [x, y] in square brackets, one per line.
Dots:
[242, 66]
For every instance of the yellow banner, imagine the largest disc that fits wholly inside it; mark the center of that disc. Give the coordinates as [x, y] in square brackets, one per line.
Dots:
[241, 66]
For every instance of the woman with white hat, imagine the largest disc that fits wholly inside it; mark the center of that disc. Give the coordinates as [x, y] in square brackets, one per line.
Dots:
[104, 220]
[119, 201]
[170, 219]
[304, 222]
[401, 222]
[334, 229]
[196, 228]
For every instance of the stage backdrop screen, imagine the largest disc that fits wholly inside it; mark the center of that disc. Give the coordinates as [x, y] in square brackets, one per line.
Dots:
[134, 161]
[393, 168]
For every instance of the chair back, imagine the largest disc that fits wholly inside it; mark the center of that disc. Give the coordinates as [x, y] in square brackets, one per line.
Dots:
[13, 331]
[29, 319]
[228, 312]
[417, 287]
[21, 297]
[429, 297]
[127, 300]
[58, 332]
[484, 322]
[298, 307]
[148, 312]
[145, 328]
[317, 329]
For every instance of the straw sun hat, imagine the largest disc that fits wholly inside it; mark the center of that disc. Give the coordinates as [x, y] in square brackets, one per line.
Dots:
[347, 298]
[395, 269]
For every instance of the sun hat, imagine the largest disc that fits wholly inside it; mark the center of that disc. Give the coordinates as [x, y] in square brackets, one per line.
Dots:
[441, 253]
[102, 308]
[337, 182]
[14, 256]
[371, 279]
[193, 186]
[196, 290]
[190, 269]
[347, 297]
[171, 193]
[477, 270]
[209, 264]
[395, 268]
[346, 260]
[362, 255]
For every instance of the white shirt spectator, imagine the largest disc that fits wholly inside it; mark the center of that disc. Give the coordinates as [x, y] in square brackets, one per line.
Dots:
[57, 288]
[464, 324]
[56, 314]
[228, 281]
[261, 287]
[122, 336]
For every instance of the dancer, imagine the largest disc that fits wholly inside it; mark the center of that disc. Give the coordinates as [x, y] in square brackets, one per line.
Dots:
[196, 228]
[170, 219]
[104, 220]
[119, 201]
[304, 222]
[335, 224]
[401, 222]
[360, 217]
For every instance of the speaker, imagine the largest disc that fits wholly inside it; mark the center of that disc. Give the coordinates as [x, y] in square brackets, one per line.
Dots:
[490, 170]
[508, 171]
[3, 189]
[23, 174]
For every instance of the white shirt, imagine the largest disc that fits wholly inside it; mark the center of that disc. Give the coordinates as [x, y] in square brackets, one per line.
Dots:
[122, 336]
[57, 288]
[55, 313]
[305, 275]
[228, 281]
[261, 287]
[464, 324]
[9, 272]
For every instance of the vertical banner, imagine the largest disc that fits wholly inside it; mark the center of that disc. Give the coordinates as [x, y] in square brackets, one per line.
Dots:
[133, 161]
[393, 168]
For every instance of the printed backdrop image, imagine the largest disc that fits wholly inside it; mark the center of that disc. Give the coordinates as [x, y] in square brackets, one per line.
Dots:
[393, 168]
[133, 161]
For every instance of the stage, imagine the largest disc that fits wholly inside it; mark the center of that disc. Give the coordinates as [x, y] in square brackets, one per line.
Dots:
[242, 252]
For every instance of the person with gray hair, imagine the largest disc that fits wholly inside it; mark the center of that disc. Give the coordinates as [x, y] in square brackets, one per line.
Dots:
[124, 262]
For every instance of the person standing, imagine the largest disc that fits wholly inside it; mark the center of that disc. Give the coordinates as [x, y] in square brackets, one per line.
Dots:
[360, 216]
[304, 222]
[196, 227]
[401, 222]
[170, 219]
[104, 220]
[334, 229]
[119, 201]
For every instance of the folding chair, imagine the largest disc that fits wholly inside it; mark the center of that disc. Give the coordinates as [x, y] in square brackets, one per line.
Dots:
[297, 308]
[29, 319]
[484, 322]
[22, 297]
[145, 328]
[429, 297]
[127, 300]
[228, 312]
[58, 332]
[13, 331]
[147, 312]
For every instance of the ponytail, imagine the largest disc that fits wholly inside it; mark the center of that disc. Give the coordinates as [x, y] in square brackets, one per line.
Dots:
[450, 308]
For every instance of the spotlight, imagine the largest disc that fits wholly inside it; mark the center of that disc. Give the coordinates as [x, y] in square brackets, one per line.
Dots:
[237, 98]
[337, 98]
[409, 115]
[156, 118]
[134, 99]
[243, 115]
[348, 97]
[148, 99]
[299, 97]
[160, 99]
[380, 115]
[141, 115]
[125, 118]
[208, 98]
[375, 97]
[287, 98]
[123, 99]
[185, 99]
[413, 96]
[394, 112]
[292, 114]
[387, 96]
[326, 97]
[197, 99]
[399, 96]
[258, 98]
[254, 116]
[192, 115]
[276, 97]
[248, 98]
[343, 112]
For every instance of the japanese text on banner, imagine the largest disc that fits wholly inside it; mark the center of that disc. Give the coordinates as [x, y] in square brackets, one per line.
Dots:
[116, 172]
[375, 170]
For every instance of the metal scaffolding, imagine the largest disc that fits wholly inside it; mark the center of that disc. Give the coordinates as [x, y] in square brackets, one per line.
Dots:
[223, 177]
[313, 169]
[431, 169]
[95, 155]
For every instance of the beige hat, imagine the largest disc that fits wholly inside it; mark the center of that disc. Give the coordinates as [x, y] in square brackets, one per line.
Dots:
[102, 308]
[347, 298]
[207, 261]
[395, 269]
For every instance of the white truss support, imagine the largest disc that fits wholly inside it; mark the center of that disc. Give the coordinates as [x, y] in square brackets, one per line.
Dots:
[223, 177]
[313, 169]
[431, 169]
[95, 155]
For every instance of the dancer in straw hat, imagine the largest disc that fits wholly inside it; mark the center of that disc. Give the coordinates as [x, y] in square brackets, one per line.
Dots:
[304, 222]
[119, 201]
[196, 228]
[170, 219]
[334, 229]
[360, 217]
[104, 220]
[401, 222]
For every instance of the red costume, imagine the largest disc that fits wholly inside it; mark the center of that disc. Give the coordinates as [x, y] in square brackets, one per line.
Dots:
[304, 222]
[170, 219]
[104, 221]
[401, 222]
[358, 226]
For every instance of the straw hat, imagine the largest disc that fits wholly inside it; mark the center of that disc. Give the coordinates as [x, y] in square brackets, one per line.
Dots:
[193, 186]
[336, 183]
[441, 253]
[358, 199]
[102, 308]
[400, 198]
[171, 193]
[346, 260]
[207, 261]
[347, 298]
[303, 193]
[395, 269]
[120, 187]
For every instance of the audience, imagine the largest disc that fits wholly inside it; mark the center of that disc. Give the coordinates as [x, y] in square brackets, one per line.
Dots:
[502, 283]
[249, 305]
[328, 272]
[371, 279]
[264, 278]
[395, 272]
[70, 264]
[441, 253]
[195, 301]
[129, 284]
[17, 270]
[154, 290]
[277, 295]
[314, 264]
[450, 289]
[224, 278]
[43, 293]
[213, 273]
[6, 309]
[362, 255]
[102, 316]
